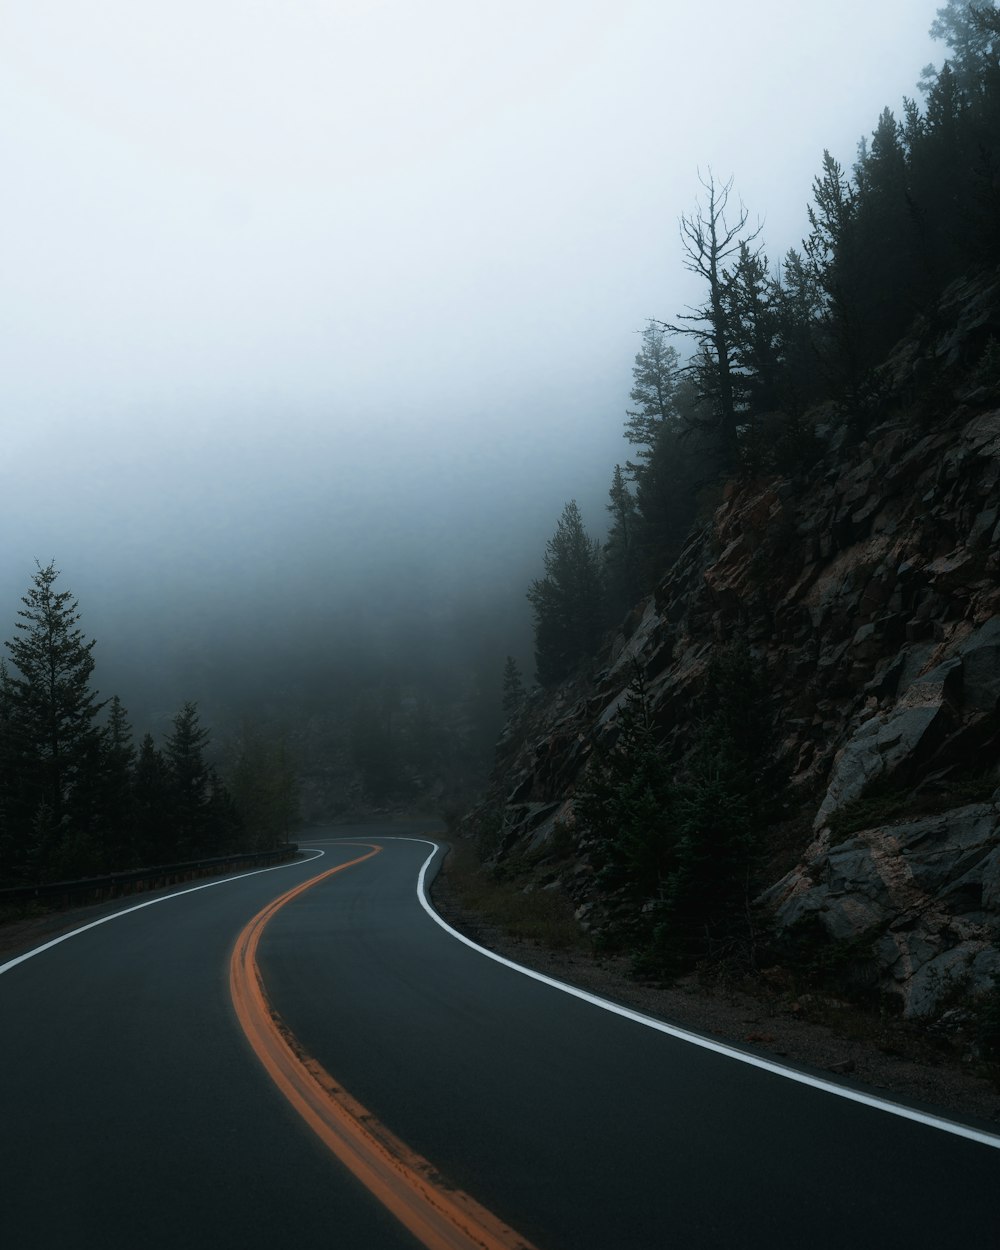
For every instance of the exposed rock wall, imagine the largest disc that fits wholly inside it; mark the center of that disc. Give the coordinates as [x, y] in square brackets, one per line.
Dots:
[926, 892]
[870, 590]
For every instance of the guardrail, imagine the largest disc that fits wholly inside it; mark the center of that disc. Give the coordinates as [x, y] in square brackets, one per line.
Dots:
[96, 889]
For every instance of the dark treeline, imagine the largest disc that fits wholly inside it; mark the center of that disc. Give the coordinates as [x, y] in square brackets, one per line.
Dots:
[775, 365]
[770, 343]
[78, 797]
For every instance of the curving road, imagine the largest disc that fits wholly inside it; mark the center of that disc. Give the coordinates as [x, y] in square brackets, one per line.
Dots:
[135, 1112]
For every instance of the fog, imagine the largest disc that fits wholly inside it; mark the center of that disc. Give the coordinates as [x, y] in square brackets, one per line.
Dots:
[316, 314]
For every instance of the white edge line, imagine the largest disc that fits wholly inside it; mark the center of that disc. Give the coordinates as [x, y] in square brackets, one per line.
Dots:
[706, 1043]
[163, 898]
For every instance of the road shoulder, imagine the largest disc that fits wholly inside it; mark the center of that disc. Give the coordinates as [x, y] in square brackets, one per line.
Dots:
[768, 1023]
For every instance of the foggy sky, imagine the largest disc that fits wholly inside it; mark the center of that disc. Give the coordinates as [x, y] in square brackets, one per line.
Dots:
[304, 297]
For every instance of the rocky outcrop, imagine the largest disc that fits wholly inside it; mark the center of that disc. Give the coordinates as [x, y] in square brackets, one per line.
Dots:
[926, 891]
[869, 589]
[925, 894]
[894, 744]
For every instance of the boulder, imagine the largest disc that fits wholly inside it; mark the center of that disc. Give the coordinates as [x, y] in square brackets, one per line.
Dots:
[926, 892]
[891, 742]
[940, 978]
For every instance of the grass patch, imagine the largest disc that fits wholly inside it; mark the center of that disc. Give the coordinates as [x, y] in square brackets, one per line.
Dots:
[535, 915]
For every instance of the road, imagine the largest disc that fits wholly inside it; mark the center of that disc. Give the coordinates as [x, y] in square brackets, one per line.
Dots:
[135, 1112]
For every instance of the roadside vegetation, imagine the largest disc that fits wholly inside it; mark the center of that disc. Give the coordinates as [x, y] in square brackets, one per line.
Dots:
[781, 358]
[511, 901]
[79, 797]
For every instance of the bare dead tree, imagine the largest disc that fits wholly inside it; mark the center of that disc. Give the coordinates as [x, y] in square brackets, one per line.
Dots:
[710, 239]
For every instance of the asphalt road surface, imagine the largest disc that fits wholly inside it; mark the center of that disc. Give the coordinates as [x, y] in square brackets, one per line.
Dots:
[134, 1113]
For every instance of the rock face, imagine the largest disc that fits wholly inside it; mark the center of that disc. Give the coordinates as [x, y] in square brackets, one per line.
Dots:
[869, 588]
[897, 740]
[925, 892]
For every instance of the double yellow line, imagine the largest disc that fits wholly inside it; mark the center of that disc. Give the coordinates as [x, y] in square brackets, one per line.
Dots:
[441, 1217]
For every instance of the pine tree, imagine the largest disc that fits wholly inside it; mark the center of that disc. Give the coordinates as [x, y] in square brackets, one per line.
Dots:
[971, 29]
[725, 795]
[655, 375]
[568, 601]
[960, 167]
[683, 460]
[753, 319]
[223, 821]
[663, 425]
[940, 170]
[888, 234]
[799, 332]
[621, 550]
[190, 781]
[626, 803]
[832, 251]
[115, 806]
[13, 848]
[681, 838]
[52, 709]
[155, 833]
[513, 689]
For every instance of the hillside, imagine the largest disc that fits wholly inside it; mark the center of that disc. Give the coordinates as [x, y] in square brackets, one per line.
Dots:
[866, 591]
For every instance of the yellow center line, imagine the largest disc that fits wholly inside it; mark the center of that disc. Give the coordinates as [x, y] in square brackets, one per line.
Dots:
[441, 1217]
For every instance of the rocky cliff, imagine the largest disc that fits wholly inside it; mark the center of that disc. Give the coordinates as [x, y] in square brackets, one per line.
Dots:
[868, 587]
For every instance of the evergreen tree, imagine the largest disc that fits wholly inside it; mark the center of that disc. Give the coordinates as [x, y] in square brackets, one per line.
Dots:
[725, 795]
[655, 374]
[115, 777]
[568, 602]
[682, 462]
[626, 804]
[226, 831]
[513, 689]
[13, 843]
[799, 332]
[681, 840]
[754, 327]
[621, 550]
[832, 251]
[152, 802]
[888, 239]
[668, 426]
[52, 709]
[971, 29]
[940, 163]
[190, 782]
